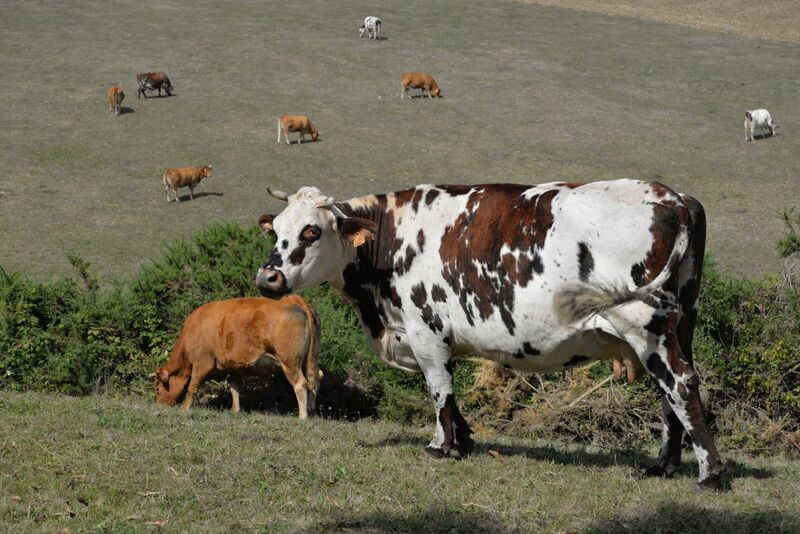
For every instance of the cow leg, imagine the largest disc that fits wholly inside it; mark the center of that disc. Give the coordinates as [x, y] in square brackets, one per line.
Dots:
[295, 377]
[663, 358]
[669, 458]
[452, 435]
[235, 384]
[175, 194]
[191, 192]
[200, 372]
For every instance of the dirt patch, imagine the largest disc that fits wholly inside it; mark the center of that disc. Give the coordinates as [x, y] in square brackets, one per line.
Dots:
[776, 20]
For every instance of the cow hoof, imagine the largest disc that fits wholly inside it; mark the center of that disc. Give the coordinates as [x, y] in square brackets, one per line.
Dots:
[719, 481]
[465, 446]
[435, 452]
[656, 470]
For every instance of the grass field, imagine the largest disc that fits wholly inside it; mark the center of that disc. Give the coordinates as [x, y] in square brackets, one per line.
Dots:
[98, 464]
[532, 94]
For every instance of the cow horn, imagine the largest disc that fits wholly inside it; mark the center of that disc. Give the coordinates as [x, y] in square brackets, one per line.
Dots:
[280, 195]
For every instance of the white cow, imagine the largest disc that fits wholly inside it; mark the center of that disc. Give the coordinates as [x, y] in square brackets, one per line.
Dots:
[537, 278]
[371, 27]
[758, 118]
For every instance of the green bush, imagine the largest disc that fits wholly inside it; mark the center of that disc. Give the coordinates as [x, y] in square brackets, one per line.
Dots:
[81, 335]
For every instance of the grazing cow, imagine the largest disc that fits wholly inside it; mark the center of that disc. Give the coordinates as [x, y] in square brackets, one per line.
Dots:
[243, 337]
[371, 27]
[184, 177]
[296, 123]
[419, 80]
[115, 97]
[758, 118]
[537, 278]
[151, 81]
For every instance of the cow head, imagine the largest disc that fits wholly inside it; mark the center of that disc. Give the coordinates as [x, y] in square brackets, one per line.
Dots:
[312, 241]
[169, 388]
[361, 30]
[206, 171]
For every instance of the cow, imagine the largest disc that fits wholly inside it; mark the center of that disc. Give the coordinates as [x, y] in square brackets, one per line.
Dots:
[184, 177]
[758, 118]
[115, 97]
[371, 27]
[537, 278]
[243, 337]
[419, 80]
[296, 123]
[151, 81]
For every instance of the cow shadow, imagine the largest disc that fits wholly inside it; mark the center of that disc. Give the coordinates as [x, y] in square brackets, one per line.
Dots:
[124, 110]
[338, 397]
[764, 136]
[677, 516]
[435, 520]
[577, 455]
[197, 196]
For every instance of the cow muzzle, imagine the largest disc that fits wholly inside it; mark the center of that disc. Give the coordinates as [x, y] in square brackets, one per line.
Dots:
[271, 282]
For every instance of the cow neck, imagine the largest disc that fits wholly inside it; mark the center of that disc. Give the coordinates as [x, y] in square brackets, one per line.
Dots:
[366, 275]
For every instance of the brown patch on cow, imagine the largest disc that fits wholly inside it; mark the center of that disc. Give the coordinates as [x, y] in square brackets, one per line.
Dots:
[570, 185]
[438, 294]
[456, 190]
[665, 228]
[682, 391]
[419, 296]
[431, 196]
[416, 199]
[498, 215]
[421, 240]
[401, 198]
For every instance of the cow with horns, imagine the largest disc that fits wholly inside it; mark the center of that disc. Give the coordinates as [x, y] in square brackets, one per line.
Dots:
[537, 278]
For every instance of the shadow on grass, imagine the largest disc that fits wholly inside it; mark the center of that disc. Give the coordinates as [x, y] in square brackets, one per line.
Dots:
[124, 110]
[415, 521]
[577, 455]
[338, 398]
[681, 517]
[185, 198]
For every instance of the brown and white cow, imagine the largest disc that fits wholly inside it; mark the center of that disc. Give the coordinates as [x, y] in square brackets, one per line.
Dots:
[151, 81]
[184, 177]
[538, 278]
[296, 123]
[419, 80]
[115, 97]
[243, 337]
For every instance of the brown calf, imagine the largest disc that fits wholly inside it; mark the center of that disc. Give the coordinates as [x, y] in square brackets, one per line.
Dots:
[115, 98]
[241, 337]
[296, 123]
[150, 81]
[419, 80]
[184, 177]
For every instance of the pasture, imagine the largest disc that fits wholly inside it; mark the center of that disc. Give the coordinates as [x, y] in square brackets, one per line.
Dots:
[99, 464]
[531, 94]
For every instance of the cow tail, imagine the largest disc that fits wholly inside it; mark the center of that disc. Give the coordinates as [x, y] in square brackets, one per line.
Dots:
[581, 301]
[313, 373]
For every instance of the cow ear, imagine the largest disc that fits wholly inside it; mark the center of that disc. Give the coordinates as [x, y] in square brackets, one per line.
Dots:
[357, 230]
[162, 375]
[265, 222]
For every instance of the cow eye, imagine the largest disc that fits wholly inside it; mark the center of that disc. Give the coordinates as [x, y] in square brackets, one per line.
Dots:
[310, 233]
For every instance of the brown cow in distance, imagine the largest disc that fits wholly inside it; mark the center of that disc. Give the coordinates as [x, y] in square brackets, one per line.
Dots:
[243, 337]
[151, 81]
[419, 80]
[296, 123]
[184, 177]
[115, 98]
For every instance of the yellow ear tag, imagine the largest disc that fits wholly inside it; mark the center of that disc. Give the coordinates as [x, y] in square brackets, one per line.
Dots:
[358, 240]
[267, 226]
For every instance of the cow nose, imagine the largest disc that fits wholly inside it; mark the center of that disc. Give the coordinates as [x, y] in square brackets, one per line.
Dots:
[271, 282]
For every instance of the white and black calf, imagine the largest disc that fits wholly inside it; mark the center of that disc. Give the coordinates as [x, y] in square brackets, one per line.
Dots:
[758, 119]
[538, 278]
[371, 27]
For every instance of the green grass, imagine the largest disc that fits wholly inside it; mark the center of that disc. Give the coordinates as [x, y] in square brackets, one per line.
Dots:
[100, 464]
[532, 94]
